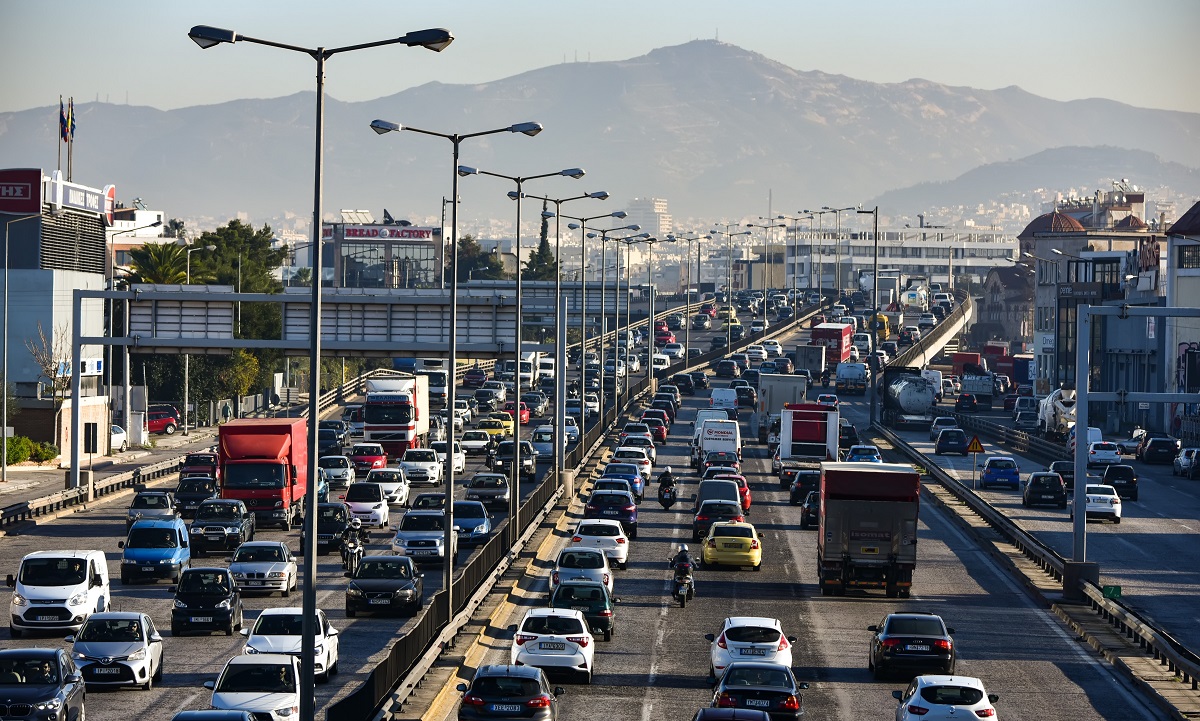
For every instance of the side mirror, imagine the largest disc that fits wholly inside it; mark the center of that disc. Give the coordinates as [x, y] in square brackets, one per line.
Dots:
[993, 697]
[804, 685]
[156, 638]
[68, 639]
[791, 639]
[10, 581]
[333, 631]
[421, 575]
[872, 627]
[210, 685]
[950, 631]
[461, 688]
[710, 637]
[512, 627]
[559, 690]
[120, 544]
[172, 589]
[244, 631]
[897, 695]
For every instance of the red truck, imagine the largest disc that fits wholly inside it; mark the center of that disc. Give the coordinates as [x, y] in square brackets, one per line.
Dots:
[264, 464]
[867, 524]
[962, 359]
[836, 339]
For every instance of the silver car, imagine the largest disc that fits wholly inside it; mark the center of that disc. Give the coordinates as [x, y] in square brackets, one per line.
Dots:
[339, 471]
[150, 506]
[118, 649]
[264, 566]
[489, 489]
[579, 563]
[421, 536]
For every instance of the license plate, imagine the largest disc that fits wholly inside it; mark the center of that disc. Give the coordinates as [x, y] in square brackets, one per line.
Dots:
[422, 552]
[147, 569]
[47, 618]
[731, 545]
[552, 646]
[1047, 497]
[215, 538]
[758, 702]
[379, 601]
[107, 670]
[753, 651]
[580, 608]
[506, 707]
[254, 583]
[610, 513]
[201, 619]
[916, 647]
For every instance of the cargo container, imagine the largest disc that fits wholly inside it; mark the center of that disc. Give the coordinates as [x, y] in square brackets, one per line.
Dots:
[396, 413]
[961, 359]
[808, 432]
[810, 358]
[264, 463]
[774, 392]
[836, 339]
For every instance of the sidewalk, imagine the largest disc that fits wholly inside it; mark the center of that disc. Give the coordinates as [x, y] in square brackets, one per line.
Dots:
[27, 483]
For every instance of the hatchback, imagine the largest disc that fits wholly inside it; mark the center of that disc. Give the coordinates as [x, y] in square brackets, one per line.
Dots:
[502, 692]
[1124, 478]
[944, 697]
[606, 535]
[727, 369]
[864, 454]
[711, 512]
[1185, 462]
[615, 505]
[581, 563]
[966, 403]
[755, 685]
[909, 641]
[1101, 502]
[118, 649]
[1044, 489]
[732, 544]
[1102, 454]
[593, 600]
[554, 638]
[748, 638]
[810, 509]
[999, 470]
[940, 423]
[951, 440]
[1159, 450]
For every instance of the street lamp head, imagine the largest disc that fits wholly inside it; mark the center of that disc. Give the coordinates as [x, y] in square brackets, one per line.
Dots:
[599, 195]
[513, 195]
[548, 214]
[633, 226]
[206, 36]
[575, 173]
[385, 126]
[572, 226]
[210, 248]
[591, 235]
[1056, 251]
[465, 170]
[529, 129]
[618, 214]
[435, 39]
[155, 224]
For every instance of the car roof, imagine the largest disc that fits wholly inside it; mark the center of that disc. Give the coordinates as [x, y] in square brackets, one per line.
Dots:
[424, 512]
[732, 621]
[942, 680]
[282, 611]
[117, 615]
[157, 522]
[252, 659]
[60, 554]
[28, 652]
[262, 544]
[532, 672]
[555, 612]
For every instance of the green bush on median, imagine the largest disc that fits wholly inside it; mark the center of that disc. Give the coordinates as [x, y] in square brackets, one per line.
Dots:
[19, 449]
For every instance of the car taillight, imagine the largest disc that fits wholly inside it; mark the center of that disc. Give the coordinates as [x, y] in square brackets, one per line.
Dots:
[726, 701]
[554, 577]
[620, 541]
[576, 539]
[890, 642]
[712, 543]
[542, 701]
[918, 710]
[754, 545]
[521, 638]
[605, 577]
[630, 507]
[791, 703]
[606, 613]
[783, 644]
[738, 519]
[581, 640]
[590, 507]
[985, 712]
[943, 644]
[471, 700]
[1114, 502]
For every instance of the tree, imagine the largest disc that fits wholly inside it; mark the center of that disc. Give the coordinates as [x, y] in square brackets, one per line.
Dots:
[52, 356]
[301, 278]
[542, 265]
[473, 262]
[174, 228]
[164, 263]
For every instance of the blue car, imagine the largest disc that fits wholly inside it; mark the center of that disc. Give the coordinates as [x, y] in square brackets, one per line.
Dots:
[863, 454]
[472, 522]
[613, 506]
[155, 549]
[322, 486]
[628, 472]
[1000, 470]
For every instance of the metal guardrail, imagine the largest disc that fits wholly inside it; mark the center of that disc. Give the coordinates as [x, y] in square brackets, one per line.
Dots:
[918, 353]
[1019, 441]
[1169, 652]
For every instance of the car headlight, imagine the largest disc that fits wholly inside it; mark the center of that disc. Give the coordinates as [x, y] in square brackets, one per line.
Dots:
[19, 600]
[319, 649]
[164, 561]
[353, 592]
[129, 562]
[180, 604]
[79, 599]
[238, 574]
[250, 649]
[223, 604]
[138, 655]
[276, 574]
[481, 528]
[197, 531]
[288, 710]
[376, 507]
[279, 504]
[232, 529]
[52, 704]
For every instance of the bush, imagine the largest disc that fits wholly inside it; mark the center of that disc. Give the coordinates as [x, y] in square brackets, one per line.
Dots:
[42, 452]
[19, 449]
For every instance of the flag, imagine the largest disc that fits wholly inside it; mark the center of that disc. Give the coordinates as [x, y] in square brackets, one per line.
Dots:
[62, 120]
[387, 217]
[70, 119]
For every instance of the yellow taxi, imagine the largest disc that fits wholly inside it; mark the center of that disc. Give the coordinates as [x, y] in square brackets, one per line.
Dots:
[727, 313]
[732, 544]
[493, 427]
[505, 419]
[733, 321]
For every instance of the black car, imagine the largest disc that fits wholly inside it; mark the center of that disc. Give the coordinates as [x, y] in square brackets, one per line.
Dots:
[329, 442]
[40, 678]
[505, 692]
[890, 347]
[747, 397]
[385, 583]
[590, 597]
[332, 521]
[221, 525]
[784, 366]
[500, 459]
[1159, 450]
[751, 377]
[803, 480]
[785, 312]
[1139, 443]
[847, 435]
[711, 512]
[1123, 478]
[761, 686]
[667, 406]
[966, 403]
[718, 342]
[1044, 489]
[488, 399]
[684, 383]
[810, 509]
[700, 379]
[727, 369]
[342, 428]
[537, 403]
[912, 641]
[951, 440]
[737, 332]
[939, 312]
[193, 491]
[1065, 471]
[206, 600]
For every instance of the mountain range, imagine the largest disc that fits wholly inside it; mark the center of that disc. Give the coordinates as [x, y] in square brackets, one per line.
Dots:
[709, 126]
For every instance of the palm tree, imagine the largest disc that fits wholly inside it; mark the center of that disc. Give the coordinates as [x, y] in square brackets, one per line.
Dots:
[159, 263]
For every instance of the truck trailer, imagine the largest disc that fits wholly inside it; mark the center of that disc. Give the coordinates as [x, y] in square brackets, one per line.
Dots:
[867, 535]
[396, 413]
[775, 390]
[836, 339]
[811, 358]
[808, 432]
[909, 397]
[264, 463]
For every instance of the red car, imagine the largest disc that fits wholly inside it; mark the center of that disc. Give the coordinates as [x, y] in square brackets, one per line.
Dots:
[366, 457]
[660, 325]
[162, 421]
[664, 337]
[817, 320]
[658, 429]
[658, 413]
[710, 309]
[521, 415]
[475, 377]
[743, 488]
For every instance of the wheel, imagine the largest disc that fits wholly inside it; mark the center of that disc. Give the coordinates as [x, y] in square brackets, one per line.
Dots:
[891, 591]
[633, 532]
[124, 580]
[1117, 520]
[608, 634]
[878, 672]
[170, 429]
[287, 590]
[175, 630]
[1062, 506]
[158, 672]
[683, 600]
[758, 567]
[904, 593]
[333, 670]
[149, 685]
[624, 565]
[229, 628]
[123, 447]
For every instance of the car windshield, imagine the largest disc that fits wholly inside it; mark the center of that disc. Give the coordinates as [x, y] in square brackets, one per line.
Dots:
[196, 485]
[147, 501]
[1119, 472]
[278, 624]
[53, 572]
[152, 538]
[333, 462]
[199, 460]
[367, 451]
[364, 492]
[469, 510]
[386, 477]
[327, 434]
[204, 582]
[733, 531]
[388, 413]
[757, 676]
[752, 634]
[421, 456]
[608, 499]
[489, 482]
[720, 509]
[257, 554]
[598, 529]
[217, 512]
[951, 695]
[906, 626]
[111, 630]
[254, 475]
[257, 678]
[576, 559]
[421, 522]
[1002, 464]
[552, 625]
[331, 514]
[475, 436]
[28, 671]
[383, 568]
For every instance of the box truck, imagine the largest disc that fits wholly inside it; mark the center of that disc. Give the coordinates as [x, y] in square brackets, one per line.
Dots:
[264, 463]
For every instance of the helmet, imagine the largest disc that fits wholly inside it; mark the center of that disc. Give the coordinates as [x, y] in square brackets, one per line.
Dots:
[355, 523]
[683, 548]
[668, 471]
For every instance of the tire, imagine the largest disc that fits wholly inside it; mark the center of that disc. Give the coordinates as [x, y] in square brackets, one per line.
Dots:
[624, 565]
[175, 632]
[878, 672]
[350, 612]
[1117, 520]
[904, 593]
[124, 447]
[149, 685]
[608, 635]
[158, 672]
[169, 429]
[229, 628]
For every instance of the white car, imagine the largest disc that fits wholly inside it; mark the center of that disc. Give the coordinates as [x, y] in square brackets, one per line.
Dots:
[615, 367]
[579, 563]
[945, 697]
[1103, 453]
[278, 630]
[609, 536]
[118, 649]
[462, 410]
[773, 348]
[636, 456]
[555, 638]
[660, 362]
[758, 325]
[1102, 502]
[674, 351]
[339, 470]
[882, 357]
[571, 429]
[854, 357]
[394, 482]
[460, 456]
[634, 362]
[475, 443]
[264, 566]
[500, 388]
[644, 443]
[421, 466]
[368, 503]
[118, 440]
[756, 353]
[591, 403]
[940, 424]
[267, 685]
[748, 638]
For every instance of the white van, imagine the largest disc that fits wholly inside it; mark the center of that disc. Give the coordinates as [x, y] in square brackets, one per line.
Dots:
[862, 341]
[57, 591]
[935, 377]
[723, 398]
[1093, 436]
[660, 362]
[716, 435]
[546, 367]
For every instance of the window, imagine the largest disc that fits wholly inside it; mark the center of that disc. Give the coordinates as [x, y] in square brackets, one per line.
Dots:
[1188, 256]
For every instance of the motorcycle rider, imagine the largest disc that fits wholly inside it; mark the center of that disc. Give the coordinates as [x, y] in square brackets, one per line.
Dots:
[666, 479]
[352, 533]
[682, 564]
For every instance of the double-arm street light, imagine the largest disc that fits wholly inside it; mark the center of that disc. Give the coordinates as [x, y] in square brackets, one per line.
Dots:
[650, 290]
[187, 357]
[435, 39]
[729, 278]
[603, 235]
[796, 258]
[837, 247]
[112, 282]
[874, 324]
[581, 226]
[821, 239]
[687, 320]
[767, 275]
[517, 195]
[381, 127]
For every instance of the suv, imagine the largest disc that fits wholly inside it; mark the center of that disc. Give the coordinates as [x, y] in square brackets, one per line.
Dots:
[420, 535]
[1044, 488]
[912, 640]
[1123, 478]
[501, 459]
[501, 686]
[1065, 470]
[221, 525]
[206, 599]
[1159, 450]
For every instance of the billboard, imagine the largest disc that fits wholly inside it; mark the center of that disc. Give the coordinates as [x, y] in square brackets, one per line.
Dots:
[21, 191]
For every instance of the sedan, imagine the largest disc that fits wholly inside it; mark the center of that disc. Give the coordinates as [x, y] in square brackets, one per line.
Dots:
[756, 353]
[944, 697]
[476, 443]
[939, 424]
[1102, 502]
[828, 399]
[733, 544]
[521, 410]
[265, 566]
[748, 638]
[118, 440]
[700, 379]
[910, 641]
[384, 583]
[279, 630]
[810, 509]
[757, 685]
[421, 536]
[554, 639]
[613, 505]
[728, 369]
[590, 598]
[118, 649]
[773, 347]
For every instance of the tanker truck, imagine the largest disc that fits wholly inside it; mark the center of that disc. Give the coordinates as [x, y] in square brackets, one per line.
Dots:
[1056, 413]
[908, 397]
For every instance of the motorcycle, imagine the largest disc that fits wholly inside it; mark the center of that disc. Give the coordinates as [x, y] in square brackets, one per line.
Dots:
[684, 585]
[352, 553]
[667, 495]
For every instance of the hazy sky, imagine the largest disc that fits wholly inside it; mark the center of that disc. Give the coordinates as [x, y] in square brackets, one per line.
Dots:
[138, 50]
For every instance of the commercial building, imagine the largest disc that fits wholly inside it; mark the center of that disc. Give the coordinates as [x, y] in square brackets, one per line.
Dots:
[1181, 335]
[651, 214]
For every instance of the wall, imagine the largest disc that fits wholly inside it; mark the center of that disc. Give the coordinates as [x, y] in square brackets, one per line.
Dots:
[94, 410]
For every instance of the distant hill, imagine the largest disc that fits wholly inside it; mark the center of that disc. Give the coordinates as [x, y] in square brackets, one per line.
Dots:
[1070, 167]
[709, 126]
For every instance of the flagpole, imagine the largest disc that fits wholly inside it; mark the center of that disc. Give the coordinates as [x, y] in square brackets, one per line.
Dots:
[71, 148]
[62, 131]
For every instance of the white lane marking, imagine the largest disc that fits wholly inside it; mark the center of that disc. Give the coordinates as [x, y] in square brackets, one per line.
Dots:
[660, 632]
[187, 702]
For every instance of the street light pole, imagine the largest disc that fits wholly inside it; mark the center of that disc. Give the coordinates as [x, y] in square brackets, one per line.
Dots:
[766, 276]
[435, 39]
[4, 413]
[687, 323]
[874, 301]
[581, 226]
[729, 278]
[837, 247]
[821, 238]
[796, 259]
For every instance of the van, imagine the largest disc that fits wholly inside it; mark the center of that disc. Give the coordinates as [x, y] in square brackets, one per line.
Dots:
[155, 549]
[935, 377]
[1025, 404]
[723, 398]
[546, 367]
[718, 490]
[1093, 436]
[58, 591]
[716, 435]
[862, 341]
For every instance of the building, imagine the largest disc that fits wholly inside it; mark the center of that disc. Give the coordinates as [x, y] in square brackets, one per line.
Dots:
[765, 270]
[1182, 335]
[651, 214]
[360, 253]
[1005, 311]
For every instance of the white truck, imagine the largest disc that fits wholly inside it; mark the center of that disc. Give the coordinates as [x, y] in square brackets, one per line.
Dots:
[717, 435]
[852, 378]
[1056, 413]
[775, 390]
[810, 358]
[808, 432]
